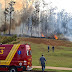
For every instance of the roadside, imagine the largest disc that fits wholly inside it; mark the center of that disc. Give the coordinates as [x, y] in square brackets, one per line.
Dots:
[57, 68]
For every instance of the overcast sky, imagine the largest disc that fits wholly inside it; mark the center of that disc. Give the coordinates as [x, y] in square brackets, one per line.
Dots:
[62, 4]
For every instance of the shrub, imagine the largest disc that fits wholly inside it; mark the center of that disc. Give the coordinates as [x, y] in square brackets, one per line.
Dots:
[8, 39]
[14, 36]
[4, 40]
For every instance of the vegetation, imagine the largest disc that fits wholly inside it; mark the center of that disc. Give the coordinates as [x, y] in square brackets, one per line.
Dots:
[61, 57]
[7, 39]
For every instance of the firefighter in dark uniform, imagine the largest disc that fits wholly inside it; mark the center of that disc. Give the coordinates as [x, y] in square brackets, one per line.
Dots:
[53, 48]
[48, 48]
[42, 60]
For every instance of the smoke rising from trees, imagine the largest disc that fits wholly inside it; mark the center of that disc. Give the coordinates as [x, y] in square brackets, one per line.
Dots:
[40, 18]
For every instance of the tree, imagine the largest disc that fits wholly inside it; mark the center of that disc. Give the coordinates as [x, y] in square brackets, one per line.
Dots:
[62, 21]
[48, 20]
[11, 9]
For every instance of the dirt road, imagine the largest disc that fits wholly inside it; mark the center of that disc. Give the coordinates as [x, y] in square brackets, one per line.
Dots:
[57, 68]
[47, 67]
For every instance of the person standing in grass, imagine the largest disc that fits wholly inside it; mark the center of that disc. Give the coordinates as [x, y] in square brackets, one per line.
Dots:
[42, 60]
[53, 48]
[48, 48]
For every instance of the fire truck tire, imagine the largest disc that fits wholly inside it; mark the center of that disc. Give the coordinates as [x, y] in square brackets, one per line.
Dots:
[24, 68]
[12, 69]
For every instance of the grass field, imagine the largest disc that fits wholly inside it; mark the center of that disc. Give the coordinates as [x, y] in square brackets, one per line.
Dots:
[61, 57]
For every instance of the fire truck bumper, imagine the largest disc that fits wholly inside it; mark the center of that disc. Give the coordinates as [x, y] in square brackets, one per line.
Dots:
[29, 68]
[21, 68]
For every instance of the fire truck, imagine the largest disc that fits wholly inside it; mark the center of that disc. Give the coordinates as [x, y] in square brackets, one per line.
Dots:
[15, 57]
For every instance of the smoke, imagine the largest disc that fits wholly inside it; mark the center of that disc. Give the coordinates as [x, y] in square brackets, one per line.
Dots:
[20, 15]
[54, 23]
[37, 17]
[3, 28]
[64, 24]
[26, 11]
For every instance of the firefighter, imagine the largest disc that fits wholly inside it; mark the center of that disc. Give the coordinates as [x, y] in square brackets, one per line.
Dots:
[53, 48]
[42, 60]
[48, 48]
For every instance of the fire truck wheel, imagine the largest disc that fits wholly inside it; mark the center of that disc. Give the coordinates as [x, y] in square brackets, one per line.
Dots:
[12, 69]
[24, 68]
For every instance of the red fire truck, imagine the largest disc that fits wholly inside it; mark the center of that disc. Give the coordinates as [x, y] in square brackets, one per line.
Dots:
[15, 57]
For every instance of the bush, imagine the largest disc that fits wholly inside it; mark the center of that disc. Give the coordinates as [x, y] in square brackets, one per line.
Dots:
[4, 40]
[15, 42]
[14, 36]
[8, 39]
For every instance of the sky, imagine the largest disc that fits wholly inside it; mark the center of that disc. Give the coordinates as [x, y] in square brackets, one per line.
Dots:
[62, 4]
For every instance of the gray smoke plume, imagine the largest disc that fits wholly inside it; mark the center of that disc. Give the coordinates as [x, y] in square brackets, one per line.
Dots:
[52, 23]
[64, 21]
[17, 18]
[26, 13]
[39, 18]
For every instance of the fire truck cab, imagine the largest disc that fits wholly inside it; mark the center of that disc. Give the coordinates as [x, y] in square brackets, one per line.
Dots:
[15, 57]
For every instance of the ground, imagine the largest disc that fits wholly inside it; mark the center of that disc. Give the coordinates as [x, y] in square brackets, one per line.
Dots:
[52, 42]
[41, 71]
